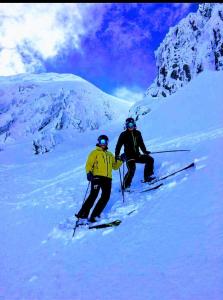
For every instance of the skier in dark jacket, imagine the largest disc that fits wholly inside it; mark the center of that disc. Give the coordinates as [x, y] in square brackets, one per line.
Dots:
[132, 140]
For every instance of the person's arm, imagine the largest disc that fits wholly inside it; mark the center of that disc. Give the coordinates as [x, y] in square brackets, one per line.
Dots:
[119, 145]
[116, 164]
[90, 162]
[141, 144]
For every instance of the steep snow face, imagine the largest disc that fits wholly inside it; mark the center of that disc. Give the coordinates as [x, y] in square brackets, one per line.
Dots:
[43, 106]
[190, 110]
[194, 45]
[202, 91]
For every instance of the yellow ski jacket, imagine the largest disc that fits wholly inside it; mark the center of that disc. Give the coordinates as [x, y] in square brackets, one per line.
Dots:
[101, 163]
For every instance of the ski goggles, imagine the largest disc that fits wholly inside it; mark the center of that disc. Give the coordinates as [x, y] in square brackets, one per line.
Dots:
[130, 125]
[103, 142]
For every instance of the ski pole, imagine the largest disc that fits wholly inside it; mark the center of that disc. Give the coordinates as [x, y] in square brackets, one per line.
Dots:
[75, 227]
[123, 173]
[86, 193]
[121, 183]
[168, 151]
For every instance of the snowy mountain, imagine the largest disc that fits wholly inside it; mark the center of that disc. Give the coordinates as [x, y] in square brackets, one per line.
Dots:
[189, 48]
[169, 245]
[47, 108]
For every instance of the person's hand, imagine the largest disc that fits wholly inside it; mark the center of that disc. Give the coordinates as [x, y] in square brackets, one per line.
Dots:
[89, 176]
[117, 157]
[147, 152]
[123, 157]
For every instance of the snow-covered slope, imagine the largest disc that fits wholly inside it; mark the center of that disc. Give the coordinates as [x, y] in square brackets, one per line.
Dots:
[170, 247]
[192, 103]
[47, 108]
[189, 48]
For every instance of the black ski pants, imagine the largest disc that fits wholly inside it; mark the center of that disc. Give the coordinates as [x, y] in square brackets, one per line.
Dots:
[131, 165]
[98, 182]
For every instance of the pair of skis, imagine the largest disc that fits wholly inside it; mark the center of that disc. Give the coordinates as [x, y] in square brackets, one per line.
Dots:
[160, 179]
[167, 176]
[102, 225]
[97, 226]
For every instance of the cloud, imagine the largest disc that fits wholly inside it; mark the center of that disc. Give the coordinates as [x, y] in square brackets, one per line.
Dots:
[109, 44]
[167, 15]
[127, 94]
[129, 25]
[124, 26]
[44, 27]
[10, 62]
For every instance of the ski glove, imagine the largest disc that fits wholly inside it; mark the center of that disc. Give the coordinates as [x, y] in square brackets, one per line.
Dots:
[123, 157]
[89, 176]
[117, 157]
[147, 152]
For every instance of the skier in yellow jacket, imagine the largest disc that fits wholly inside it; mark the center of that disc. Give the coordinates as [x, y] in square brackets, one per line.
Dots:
[99, 167]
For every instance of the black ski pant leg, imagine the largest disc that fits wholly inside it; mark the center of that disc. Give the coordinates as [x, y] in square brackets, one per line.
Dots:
[130, 173]
[87, 205]
[105, 185]
[149, 165]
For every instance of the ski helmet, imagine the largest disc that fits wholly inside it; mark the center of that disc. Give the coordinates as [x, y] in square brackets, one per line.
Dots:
[130, 123]
[103, 140]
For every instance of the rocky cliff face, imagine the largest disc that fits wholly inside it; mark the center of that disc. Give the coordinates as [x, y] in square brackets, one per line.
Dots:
[194, 45]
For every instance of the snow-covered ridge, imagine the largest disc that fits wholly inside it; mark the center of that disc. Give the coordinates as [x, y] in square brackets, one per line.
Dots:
[42, 77]
[42, 106]
[189, 48]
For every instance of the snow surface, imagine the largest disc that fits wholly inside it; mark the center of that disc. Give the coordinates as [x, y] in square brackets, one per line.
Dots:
[169, 248]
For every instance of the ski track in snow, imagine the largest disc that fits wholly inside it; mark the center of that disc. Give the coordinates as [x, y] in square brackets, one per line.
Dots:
[183, 141]
[59, 179]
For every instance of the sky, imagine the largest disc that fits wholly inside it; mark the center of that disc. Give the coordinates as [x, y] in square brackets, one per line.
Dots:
[170, 247]
[109, 44]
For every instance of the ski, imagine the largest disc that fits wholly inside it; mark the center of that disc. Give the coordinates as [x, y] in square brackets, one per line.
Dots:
[90, 225]
[152, 188]
[104, 225]
[147, 190]
[173, 173]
